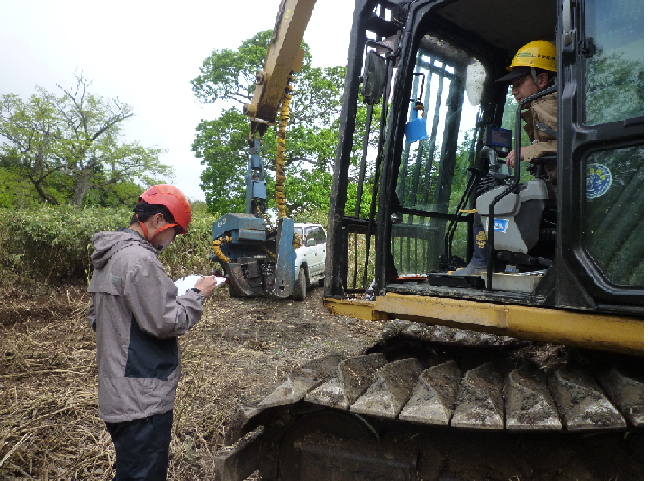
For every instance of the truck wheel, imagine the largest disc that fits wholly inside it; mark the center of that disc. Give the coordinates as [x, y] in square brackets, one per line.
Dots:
[299, 290]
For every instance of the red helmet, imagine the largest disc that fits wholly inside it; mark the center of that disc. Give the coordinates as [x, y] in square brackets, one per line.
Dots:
[174, 200]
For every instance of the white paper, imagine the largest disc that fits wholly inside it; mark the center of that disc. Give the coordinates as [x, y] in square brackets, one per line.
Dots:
[188, 282]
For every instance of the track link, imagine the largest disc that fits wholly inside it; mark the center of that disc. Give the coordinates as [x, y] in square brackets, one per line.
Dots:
[434, 388]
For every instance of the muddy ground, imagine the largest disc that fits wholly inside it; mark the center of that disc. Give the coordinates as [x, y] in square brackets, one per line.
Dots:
[237, 354]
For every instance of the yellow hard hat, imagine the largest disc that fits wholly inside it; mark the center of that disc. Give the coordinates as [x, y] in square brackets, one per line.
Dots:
[539, 54]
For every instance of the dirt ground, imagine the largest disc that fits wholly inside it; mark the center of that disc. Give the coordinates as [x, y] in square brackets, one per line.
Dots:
[237, 354]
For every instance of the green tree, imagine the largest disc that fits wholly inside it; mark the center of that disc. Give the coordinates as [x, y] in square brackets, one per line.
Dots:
[508, 119]
[311, 138]
[614, 88]
[68, 147]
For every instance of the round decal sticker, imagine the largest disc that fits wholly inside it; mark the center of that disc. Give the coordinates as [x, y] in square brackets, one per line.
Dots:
[599, 180]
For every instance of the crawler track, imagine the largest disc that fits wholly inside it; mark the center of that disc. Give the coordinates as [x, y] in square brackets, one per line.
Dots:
[438, 403]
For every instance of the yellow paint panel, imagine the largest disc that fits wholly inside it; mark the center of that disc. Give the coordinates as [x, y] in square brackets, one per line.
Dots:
[484, 314]
[360, 309]
[594, 331]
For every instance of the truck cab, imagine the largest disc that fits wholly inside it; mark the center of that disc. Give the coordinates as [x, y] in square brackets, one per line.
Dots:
[311, 257]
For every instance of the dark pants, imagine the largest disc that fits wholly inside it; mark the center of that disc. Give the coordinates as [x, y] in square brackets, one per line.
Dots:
[142, 447]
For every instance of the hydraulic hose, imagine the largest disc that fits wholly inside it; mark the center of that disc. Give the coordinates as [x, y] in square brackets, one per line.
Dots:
[280, 161]
[217, 250]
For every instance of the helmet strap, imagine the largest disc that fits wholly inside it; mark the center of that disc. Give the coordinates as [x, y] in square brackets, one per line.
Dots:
[143, 226]
[168, 226]
[534, 76]
[146, 232]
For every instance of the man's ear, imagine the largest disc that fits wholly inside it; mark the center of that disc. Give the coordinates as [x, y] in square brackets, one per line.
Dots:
[159, 217]
[543, 80]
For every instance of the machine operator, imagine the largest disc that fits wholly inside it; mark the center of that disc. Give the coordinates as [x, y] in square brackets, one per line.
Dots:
[532, 70]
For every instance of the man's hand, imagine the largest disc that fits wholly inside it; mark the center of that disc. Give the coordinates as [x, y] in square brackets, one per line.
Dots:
[206, 285]
[510, 158]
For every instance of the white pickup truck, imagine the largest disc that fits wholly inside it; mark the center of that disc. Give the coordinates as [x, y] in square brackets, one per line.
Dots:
[311, 256]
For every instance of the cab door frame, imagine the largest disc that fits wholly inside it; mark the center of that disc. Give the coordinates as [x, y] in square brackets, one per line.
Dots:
[580, 283]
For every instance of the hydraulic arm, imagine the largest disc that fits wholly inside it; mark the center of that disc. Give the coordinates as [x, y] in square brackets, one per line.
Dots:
[284, 56]
[258, 256]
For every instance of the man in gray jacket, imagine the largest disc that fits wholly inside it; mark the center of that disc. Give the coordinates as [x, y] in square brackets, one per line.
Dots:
[137, 314]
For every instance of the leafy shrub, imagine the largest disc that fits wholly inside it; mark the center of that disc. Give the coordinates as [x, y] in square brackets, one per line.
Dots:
[314, 217]
[189, 253]
[53, 243]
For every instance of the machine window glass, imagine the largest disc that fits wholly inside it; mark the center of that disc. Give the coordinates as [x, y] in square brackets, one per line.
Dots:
[299, 231]
[417, 244]
[438, 149]
[438, 138]
[614, 52]
[508, 122]
[614, 225]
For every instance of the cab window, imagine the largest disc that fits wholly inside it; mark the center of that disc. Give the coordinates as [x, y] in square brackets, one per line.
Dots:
[311, 233]
[614, 234]
[438, 149]
[613, 177]
[320, 236]
[614, 52]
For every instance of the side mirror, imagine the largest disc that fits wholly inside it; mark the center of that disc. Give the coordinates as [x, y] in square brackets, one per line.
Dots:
[373, 78]
[310, 242]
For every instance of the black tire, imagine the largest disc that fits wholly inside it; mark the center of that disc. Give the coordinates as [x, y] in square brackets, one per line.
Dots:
[299, 289]
[235, 291]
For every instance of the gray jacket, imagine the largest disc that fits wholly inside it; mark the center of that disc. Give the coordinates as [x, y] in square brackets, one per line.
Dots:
[138, 315]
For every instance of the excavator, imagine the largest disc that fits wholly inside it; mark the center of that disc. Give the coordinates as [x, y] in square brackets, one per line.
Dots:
[257, 256]
[531, 370]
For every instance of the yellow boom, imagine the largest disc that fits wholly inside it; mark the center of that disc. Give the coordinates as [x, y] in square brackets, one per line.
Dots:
[284, 56]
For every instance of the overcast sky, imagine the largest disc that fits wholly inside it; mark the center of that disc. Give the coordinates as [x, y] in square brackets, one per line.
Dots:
[145, 52]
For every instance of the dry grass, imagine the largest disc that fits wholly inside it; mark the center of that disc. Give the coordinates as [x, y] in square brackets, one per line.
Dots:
[49, 423]
[49, 428]
[241, 349]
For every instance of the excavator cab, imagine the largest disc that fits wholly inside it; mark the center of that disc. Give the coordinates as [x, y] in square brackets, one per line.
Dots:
[576, 242]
